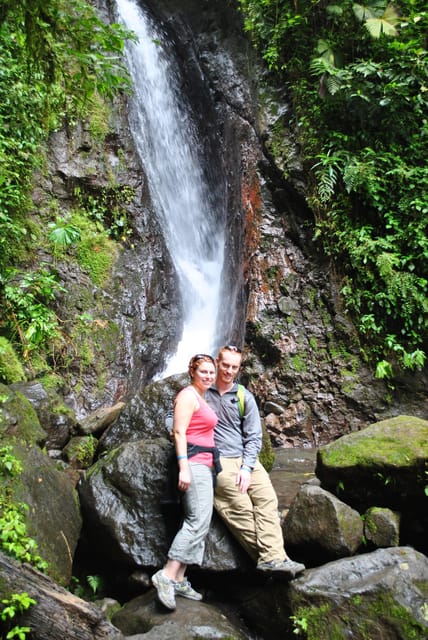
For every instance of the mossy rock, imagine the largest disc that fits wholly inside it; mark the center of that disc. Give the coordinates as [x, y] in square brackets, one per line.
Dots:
[18, 419]
[384, 464]
[11, 369]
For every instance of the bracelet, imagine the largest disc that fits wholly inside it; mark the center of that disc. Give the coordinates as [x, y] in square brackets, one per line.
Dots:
[181, 457]
[245, 467]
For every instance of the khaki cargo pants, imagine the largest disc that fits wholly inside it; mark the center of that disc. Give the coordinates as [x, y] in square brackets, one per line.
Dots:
[252, 517]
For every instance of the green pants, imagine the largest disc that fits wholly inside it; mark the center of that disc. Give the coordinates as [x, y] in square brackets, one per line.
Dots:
[252, 517]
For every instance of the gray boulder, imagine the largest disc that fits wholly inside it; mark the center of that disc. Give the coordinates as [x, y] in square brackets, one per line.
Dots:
[317, 519]
[382, 465]
[146, 618]
[53, 516]
[375, 595]
[382, 527]
[131, 512]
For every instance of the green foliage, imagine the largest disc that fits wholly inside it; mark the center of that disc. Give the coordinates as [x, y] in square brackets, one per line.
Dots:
[13, 531]
[358, 76]
[89, 588]
[9, 463]
[59, 62]
[27, 318]
[12, 607]
[63, 234]
[107, 209]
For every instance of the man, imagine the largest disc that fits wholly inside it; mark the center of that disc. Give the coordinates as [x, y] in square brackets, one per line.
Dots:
[244, 497]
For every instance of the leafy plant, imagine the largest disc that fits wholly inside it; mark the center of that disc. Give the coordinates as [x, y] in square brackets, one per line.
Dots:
[28, 319]
[13, 606]
[13, 531]
[63, 234]
[357, 75]
[300, 625]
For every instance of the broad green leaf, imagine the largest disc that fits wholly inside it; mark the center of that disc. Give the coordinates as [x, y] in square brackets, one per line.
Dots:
[377, 26]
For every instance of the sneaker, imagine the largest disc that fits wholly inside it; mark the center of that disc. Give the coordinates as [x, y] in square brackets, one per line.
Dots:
[285, 566]
[165, 589]
[185, 589]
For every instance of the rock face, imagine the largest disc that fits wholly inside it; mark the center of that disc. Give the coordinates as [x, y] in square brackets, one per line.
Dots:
[281, 299]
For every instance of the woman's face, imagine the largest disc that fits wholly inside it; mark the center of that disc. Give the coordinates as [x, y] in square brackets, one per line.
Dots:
[203, 374]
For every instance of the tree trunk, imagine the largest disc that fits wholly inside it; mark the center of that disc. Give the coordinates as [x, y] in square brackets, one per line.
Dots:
[58, 614]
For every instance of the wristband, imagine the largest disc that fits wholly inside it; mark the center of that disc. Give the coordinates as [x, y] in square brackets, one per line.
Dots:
[245, 467]
[181, 457]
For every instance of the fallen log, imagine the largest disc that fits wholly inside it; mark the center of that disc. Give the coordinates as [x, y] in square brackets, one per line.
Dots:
[57, 614]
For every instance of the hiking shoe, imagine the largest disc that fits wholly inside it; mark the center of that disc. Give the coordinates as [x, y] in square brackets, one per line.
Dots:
[285, 566]
[185, 589]
[165, 589]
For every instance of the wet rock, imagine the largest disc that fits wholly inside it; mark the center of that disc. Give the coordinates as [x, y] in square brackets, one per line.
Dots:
[378, 595]
[100, 419]
[388, 460]
[130, 514]
[318, 519]
[382, 527]
[190, 621]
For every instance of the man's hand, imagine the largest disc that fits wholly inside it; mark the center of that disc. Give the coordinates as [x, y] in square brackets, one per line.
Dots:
[243, 480]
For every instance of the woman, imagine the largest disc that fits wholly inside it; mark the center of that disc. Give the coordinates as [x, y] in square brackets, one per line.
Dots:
[193, 430]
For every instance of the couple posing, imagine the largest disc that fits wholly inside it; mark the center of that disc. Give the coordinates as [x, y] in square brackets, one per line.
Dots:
[207, 420]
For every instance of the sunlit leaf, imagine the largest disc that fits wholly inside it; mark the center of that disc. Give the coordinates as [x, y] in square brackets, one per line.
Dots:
[377, 26]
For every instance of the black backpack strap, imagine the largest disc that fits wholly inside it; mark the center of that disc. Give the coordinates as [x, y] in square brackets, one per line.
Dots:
[194, 449]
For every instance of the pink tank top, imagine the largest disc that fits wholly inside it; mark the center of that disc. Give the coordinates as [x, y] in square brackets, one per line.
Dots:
[201, 431]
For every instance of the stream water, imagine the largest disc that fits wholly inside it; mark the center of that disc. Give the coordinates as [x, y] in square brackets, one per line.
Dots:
[167, 142]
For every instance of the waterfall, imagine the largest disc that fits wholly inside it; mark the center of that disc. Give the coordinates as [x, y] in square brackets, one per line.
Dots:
[167, 142]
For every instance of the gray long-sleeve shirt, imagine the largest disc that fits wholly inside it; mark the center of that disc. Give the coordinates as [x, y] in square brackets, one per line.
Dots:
[233, 436]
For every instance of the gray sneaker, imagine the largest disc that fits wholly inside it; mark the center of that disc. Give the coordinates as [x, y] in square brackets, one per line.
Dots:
[165, 589]
[185, 589]
[285, 566]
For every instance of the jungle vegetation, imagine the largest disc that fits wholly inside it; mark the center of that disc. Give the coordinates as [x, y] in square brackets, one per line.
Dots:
[357, 77]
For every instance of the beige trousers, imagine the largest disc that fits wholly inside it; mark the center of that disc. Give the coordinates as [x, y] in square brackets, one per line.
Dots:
[252, 517]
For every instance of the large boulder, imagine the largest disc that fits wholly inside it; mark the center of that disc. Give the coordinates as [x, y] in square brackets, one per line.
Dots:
[131, 514]
[383, 465]
[144, 414]
[321, 524]
[53, 516]
[375, 595]
[190, 621]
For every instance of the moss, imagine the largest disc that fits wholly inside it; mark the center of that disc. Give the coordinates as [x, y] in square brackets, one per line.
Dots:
[11, 369]
[99, 118]
[398, 442]
[95, 251]
[80, 451]
[313, 343]
[298, 364]
[267, 454]
[359, 617]
[19, 420]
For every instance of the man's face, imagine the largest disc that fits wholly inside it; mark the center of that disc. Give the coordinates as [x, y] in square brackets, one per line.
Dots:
[228, 366]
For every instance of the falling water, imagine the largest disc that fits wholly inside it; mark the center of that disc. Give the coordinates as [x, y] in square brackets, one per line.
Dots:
[166, 141]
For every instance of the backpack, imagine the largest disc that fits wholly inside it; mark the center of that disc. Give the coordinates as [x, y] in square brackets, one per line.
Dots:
[241, 400]
[169, 418]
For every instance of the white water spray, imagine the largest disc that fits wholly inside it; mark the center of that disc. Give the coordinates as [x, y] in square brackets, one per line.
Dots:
[168, 147]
